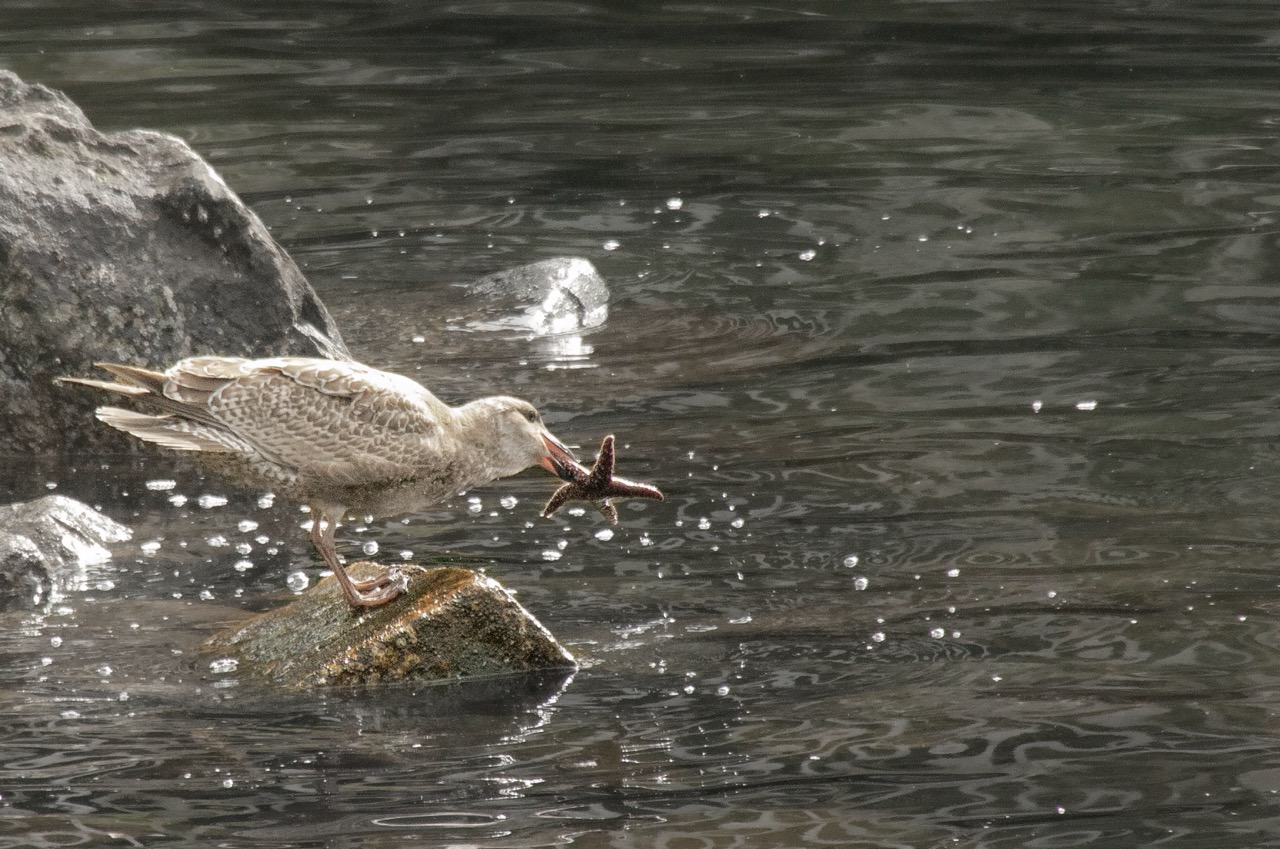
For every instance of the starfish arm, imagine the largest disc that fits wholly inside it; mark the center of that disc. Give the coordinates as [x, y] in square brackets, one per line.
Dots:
[608, 511]
[557, 500]
[623, 488]
[602, 471]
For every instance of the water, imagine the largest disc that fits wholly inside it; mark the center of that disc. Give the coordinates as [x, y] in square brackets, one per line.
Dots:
[949, 329]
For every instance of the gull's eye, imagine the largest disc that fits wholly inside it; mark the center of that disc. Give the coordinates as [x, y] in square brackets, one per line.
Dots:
[531, 415]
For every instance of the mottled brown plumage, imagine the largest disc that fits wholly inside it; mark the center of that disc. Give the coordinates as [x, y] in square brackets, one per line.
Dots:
[339, 436]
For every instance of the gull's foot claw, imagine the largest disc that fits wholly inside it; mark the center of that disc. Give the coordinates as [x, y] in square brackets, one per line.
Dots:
[375, 592]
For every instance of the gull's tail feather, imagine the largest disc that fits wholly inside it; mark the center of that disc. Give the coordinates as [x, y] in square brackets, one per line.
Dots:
[118, 388]
[169, 431]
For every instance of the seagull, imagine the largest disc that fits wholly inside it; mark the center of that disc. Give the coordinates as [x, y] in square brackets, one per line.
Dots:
[337, 436]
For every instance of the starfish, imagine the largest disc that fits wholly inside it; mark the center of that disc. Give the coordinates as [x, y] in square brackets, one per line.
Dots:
[597, 485]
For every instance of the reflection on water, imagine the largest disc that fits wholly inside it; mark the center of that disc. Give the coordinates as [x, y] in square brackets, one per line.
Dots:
[948, 332]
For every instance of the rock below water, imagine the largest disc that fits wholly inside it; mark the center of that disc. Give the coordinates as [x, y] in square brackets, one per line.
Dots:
[47, 547]
[563, 294]
[451, 624]
[129, 248]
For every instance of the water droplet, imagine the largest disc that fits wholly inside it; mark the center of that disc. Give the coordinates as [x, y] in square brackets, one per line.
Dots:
[1037, 406]
[805, 256]
[242, 565]
[552, 554]
[953, 573]
[104, 670]
[704, 523]
[243, 548]
[418, 339]
[370, 547]
[266, 500]
[722, 690]
[246, 525]
[674, 204]
[645, 540]
[177, 500]
[55, 641]
[217, 541]
[1087, 406]
[509, 501]
[937, 633]
[297, 581]
[860, 583]
[604, 534]
[850, 561]
[160, 485]
[223, 665]
[208, 502]
[878, 637]
[150, 547]
[611, 244]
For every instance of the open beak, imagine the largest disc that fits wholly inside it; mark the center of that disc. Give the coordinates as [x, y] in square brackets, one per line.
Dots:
[559, 460]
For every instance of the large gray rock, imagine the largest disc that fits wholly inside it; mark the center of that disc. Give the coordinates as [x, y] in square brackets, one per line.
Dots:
[129, 248]
[48, 546]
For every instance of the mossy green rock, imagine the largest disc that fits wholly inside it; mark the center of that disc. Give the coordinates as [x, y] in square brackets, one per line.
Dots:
[450, 624]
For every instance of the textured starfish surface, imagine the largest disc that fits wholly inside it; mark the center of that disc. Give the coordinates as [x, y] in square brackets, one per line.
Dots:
[599, 486]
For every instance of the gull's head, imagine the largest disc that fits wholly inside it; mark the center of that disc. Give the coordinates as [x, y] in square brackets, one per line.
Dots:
[512, 437]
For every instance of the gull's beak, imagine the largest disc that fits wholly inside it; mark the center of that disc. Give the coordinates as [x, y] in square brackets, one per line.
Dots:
[559, 460]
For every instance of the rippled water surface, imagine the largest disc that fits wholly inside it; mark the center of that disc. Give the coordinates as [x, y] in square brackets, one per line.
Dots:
[950, 329]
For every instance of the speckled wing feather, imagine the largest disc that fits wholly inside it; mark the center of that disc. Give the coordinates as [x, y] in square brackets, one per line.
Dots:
[335, 423]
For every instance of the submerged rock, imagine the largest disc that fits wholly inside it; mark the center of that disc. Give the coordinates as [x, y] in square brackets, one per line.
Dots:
[450, 624]
[125, 247]
[47, 547]
[558, 295]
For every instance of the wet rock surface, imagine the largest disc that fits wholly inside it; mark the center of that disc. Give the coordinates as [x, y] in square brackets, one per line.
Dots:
[451, 624]
[46, 546]
[557, 295]
[125, 247]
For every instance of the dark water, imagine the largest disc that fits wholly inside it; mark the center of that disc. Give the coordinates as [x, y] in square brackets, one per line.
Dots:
[951, 330]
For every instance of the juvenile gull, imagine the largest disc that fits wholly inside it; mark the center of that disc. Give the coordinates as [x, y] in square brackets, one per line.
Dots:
[338, 436]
